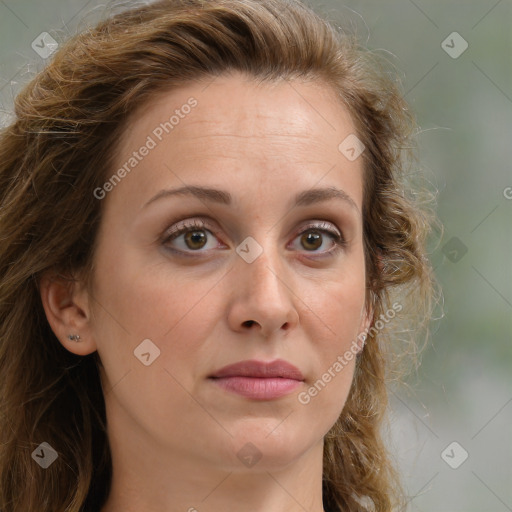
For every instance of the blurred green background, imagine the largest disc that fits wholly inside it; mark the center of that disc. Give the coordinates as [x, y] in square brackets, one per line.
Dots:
[462, 98]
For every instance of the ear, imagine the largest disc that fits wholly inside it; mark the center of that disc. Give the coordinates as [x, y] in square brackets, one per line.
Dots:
[66, 304]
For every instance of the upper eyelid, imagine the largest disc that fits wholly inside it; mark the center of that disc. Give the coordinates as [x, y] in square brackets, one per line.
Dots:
[189, 224]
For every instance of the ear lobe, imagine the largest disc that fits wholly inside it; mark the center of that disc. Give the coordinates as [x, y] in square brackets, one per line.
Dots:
[65, 304]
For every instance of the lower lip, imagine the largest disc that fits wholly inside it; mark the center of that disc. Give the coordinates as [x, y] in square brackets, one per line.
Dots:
[258, 388]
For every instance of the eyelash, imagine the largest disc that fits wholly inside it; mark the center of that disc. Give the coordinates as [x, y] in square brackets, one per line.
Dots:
[202, 225]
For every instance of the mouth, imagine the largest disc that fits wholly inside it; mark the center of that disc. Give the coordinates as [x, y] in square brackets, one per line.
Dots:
[259, 380]
[258, 388]
[260, 369]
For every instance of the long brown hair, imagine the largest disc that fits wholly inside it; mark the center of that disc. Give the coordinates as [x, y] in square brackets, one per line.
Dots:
[60, 148]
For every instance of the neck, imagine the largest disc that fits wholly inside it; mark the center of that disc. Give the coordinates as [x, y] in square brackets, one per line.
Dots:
[152, 478]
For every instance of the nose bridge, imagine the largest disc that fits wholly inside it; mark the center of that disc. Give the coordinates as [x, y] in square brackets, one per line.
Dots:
[263, 266]
[263, 293]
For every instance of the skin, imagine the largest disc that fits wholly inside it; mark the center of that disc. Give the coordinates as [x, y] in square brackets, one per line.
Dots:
[174, 434]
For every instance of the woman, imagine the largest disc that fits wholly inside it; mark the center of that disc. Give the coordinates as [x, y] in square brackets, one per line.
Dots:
[208, 239]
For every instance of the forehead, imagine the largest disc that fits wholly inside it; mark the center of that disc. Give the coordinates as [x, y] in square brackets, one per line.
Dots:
[286, 131]
[237, 105]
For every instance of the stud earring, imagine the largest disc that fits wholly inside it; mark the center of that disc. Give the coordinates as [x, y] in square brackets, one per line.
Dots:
[74, 337]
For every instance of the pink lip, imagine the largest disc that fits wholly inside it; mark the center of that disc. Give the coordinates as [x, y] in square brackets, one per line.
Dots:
[259, 380]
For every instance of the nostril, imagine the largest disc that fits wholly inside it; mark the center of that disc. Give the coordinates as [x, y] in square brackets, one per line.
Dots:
[249, 323]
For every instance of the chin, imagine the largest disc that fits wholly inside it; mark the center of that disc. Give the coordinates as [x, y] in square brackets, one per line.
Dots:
[264, 448]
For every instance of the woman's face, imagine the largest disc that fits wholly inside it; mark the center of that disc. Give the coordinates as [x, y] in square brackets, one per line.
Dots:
[259, 275]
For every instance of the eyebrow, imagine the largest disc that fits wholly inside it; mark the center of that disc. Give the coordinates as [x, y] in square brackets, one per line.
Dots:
[305, 198]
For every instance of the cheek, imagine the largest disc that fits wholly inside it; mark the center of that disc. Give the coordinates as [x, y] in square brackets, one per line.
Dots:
[339, 303]
[335, 355]
[339, 312]
[325, 398]
[137, 301]
[146, 299]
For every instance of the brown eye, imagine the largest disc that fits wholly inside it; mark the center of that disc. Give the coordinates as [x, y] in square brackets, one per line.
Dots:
[195, 239]
[311, 240]
[190, 238]
[187, 239]
[314, 236]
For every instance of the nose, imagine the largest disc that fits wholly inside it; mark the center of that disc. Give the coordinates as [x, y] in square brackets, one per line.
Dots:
[263, 300]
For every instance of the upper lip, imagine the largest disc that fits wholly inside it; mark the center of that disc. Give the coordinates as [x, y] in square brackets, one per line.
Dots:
[261, 369]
